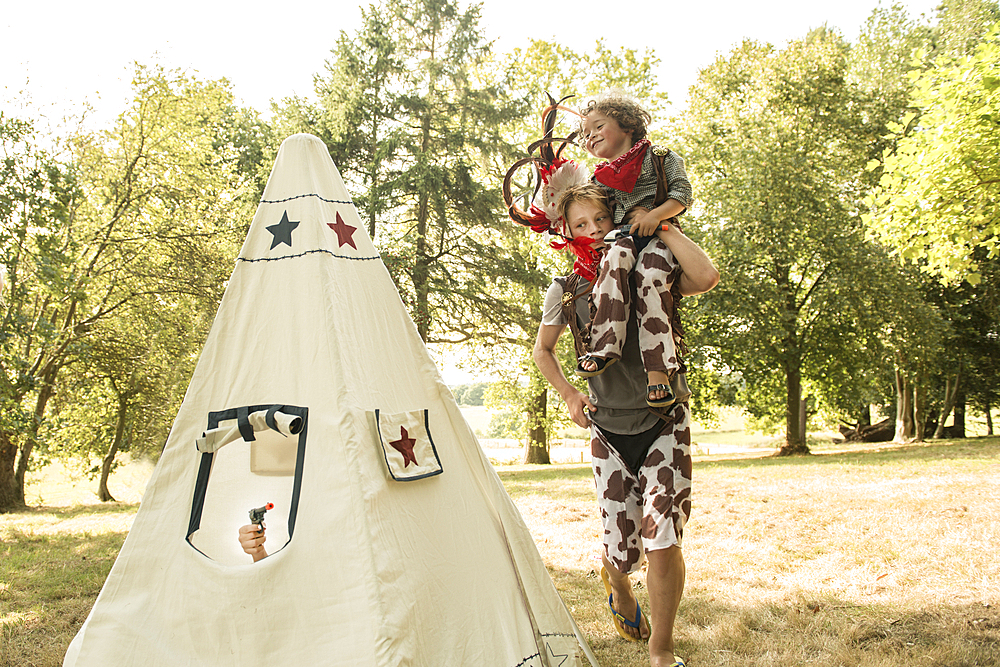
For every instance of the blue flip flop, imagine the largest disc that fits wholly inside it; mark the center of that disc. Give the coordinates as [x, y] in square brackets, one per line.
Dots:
[619, 619]
[632, 624]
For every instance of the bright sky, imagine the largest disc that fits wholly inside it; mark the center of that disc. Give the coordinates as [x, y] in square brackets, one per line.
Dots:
[63, 52]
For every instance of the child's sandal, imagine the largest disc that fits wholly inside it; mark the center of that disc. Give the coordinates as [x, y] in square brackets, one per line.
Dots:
[663, 402]
[601, 365]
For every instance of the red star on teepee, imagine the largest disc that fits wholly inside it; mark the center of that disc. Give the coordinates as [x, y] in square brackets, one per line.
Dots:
[405, 447]
[345, 233]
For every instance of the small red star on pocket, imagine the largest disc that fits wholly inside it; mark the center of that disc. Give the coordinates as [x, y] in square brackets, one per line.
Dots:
[345, 233]
[405, 447]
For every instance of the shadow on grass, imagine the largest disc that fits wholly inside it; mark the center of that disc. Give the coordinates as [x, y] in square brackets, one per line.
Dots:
[820, 629]
[567, 482]
[48, 584]
[525, 478]
[545, 473]
[43, 568]
[72, 511]
[876, 454]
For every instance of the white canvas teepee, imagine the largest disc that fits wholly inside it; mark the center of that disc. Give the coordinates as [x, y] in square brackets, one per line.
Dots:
[392, 540]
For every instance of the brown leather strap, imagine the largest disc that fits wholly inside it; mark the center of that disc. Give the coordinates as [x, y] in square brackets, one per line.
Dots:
[581, 337]
[659, 155]
[661, 180]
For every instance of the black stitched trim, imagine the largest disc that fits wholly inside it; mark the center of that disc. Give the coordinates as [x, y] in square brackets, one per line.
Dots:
[538, 655]
[329, 201]
[307, 252]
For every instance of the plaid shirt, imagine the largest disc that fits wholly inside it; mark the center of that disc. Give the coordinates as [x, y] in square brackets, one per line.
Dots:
[678, 185]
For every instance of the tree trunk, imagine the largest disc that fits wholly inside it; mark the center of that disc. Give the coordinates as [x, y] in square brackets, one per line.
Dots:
[959, 415]
[538, 444]
[31, 437]
[904, 408]
[373, 177]
[11, 494]
[795, 437]
[102, 488]
[421, 269]
[950, 394]
[881, 432]
[803, 418]
[919, 408]
[864, 415]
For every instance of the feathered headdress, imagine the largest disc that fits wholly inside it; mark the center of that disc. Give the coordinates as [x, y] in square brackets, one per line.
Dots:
[554, 174]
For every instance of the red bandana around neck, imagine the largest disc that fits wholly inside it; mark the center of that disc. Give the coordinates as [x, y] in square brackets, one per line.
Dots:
[623, 172]
[588, 258]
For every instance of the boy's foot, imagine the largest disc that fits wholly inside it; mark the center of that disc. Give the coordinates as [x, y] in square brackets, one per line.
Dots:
[590, 366]
[658, 391]
[633, 629]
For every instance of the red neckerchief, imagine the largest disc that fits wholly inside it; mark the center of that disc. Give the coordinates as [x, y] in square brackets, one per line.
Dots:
[623, 172]
[588, 258]
[586, 270]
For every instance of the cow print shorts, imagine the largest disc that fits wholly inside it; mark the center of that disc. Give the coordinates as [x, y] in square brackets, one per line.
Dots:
[651, 506]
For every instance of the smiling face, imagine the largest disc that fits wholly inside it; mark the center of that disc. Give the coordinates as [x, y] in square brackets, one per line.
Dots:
[604, 137]
[590, 219]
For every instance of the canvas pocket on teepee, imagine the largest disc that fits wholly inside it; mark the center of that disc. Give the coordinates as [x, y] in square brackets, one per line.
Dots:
[407, 446]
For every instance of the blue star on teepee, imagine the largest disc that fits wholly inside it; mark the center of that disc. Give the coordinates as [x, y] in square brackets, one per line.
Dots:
[282, 231]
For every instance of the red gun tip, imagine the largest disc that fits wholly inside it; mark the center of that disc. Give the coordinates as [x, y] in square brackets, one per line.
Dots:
[269, 506]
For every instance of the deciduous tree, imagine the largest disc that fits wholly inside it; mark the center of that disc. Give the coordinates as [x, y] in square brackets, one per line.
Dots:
[938, 196]
[776, 150]
[149, 211]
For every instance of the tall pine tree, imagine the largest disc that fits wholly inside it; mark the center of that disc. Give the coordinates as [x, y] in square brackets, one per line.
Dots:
[414, 132]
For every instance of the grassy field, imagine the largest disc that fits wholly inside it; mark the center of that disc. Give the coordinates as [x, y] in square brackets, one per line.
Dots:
[862, 556]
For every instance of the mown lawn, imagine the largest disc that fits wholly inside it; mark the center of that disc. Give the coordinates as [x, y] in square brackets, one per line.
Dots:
[873, 556]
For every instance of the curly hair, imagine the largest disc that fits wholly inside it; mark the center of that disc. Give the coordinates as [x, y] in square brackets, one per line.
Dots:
[618, 105]
[588, 193]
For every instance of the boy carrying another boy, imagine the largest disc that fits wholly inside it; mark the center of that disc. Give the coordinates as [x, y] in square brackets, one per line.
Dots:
[641, 458]
[649, 185]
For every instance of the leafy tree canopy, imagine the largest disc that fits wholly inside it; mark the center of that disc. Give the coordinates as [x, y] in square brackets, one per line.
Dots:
[938, 196]
[775, 146]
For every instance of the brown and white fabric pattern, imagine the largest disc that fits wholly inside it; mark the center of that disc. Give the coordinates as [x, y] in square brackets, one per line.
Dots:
[655, 272]
[645, 511]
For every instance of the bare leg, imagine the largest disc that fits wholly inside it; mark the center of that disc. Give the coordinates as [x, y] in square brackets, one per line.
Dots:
[665, 581]
[624, 600]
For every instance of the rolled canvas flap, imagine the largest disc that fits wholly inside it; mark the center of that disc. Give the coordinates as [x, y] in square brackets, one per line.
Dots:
[229, 430]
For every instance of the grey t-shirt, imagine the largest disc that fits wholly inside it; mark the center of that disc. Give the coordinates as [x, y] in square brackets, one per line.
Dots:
[619, 393]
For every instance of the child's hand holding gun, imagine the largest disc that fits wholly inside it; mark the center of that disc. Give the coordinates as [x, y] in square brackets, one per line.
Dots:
[252, 536]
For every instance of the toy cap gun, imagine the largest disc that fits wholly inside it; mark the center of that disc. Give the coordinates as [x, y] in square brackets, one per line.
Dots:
[622, 232]
[257, 514]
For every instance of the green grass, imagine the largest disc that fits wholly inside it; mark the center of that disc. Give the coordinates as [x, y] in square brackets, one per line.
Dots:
[877, 555]
[869, 555]
[53, 562]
